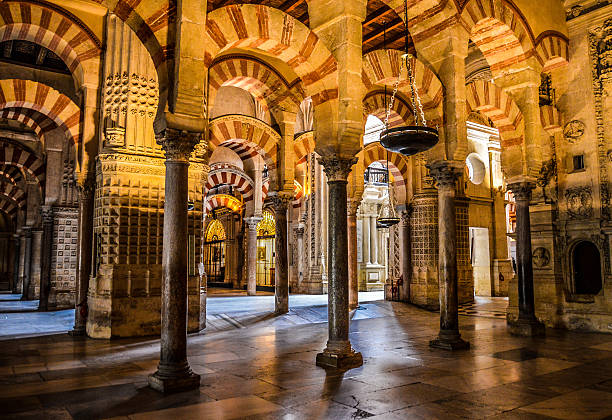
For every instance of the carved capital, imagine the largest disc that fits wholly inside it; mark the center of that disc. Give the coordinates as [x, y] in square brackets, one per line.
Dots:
[522, 190]
[280, 201]
[445, 173]
[337, 168]
[352, 207]
[252, 222]
[178, 144]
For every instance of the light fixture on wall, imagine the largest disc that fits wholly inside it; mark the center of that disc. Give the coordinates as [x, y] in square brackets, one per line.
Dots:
[408, 140]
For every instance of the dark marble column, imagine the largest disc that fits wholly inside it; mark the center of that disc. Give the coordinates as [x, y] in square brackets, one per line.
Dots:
[27, 262]
[173, 372]
[84, 254]
[352, 255]
[404, 288]
[446, 175]
[45, 260]
[280, 202]
[251, 254]
[339, 352]
[527, 323]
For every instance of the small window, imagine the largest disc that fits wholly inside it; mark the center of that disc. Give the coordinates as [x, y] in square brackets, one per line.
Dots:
[579, 163]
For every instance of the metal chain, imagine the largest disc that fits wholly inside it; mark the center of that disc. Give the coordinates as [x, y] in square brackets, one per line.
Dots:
[392, 101]
[416, 99]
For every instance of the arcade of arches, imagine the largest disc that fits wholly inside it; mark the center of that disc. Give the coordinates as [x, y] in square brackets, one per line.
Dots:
[151, 152]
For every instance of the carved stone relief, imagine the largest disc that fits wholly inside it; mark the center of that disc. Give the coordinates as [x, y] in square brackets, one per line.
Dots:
[573, 131]
[541, 257]
[579, 202]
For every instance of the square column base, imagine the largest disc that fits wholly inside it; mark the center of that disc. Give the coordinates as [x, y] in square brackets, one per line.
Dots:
[339, 361]
[527, 328]
[174, 384]
[450, 344]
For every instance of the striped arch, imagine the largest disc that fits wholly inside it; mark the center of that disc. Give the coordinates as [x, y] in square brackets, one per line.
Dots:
[494, 103]
[267, 85]
[149, 21]
[10, 173]
[303, 145]
[31, 118]
[381, 67]
[398, 166]
[552, 50]
[427, 18]
[18, 93]
[8, 206]
[375, 102]
[552, 119]
[239, 180]
[24, 160]
[279, 35]
[247, 136]
[223, 200]
[55, 29]
[500, 32]
[14, 193]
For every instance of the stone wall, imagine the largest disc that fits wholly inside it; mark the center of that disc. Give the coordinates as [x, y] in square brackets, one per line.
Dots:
[62, 293]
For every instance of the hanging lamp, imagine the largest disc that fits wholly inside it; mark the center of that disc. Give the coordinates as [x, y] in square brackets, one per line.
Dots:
[408, 140]
[382, 221]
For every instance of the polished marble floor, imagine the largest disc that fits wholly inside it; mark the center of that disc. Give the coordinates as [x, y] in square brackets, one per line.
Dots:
[265, 370]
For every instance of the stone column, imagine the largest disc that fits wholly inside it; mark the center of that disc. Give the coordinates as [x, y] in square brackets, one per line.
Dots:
[35, 261]
[173, 372]
[251, 254]
[280, 202]
[446, 175]
[373, 240]
[47, 246]
[20, 262]
[404, 288]
[27, 261]
[365, 220]
[338, 353]
[352, 255]
[527, 324]
[299, 254]
[84, 253]
[15, 273]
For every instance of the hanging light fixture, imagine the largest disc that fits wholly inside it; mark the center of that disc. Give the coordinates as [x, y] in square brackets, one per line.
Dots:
[391, 219]
[410, 139]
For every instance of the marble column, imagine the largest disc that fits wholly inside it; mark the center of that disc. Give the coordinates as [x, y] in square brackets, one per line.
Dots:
[280, 202]
[446, 175]
[47, 246]
[299, 254]
[27, 262]
[15, 261]
[35, 261]
[339, 352]
[527, 324]
[84, 253]
[352, 255]
[373, 240]
[251, 254]
[405, 256]
[20, 262]
[366, 239]
[173, 372]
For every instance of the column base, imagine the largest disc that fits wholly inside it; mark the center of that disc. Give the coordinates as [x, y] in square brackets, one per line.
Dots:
[349, 360]
[77, 332]
[529, 327]
[168, 384]
[449, 340]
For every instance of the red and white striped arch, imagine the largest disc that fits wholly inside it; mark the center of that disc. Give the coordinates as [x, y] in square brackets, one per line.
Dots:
[303, 145]
[239, 180]
[552, 50]
[28, 94]
[8, 206]
[11, 173]
[493, 102]
[13, 192]
[31, 118]
[23, 159]
[552, 119]
[267, 85]
[55, 29]
[381, 67]
[247, 136]
[222, 200]
[375, 103]
[269, 30]
[398, 167]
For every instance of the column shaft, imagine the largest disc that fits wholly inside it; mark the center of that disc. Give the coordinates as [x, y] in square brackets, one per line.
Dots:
[47, 246]
[27, 262]
[281, 282]
[251, 254]
[84, 254]
[352, 259]
[338, 353]
[373, 240]
[366, 239]
[449, 337]
[173, 372]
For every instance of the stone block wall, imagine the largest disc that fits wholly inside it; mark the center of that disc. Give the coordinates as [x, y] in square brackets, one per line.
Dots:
[62, 293]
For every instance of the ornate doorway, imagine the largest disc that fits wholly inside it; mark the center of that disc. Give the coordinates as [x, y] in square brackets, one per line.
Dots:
[266, 232]
[214, 253]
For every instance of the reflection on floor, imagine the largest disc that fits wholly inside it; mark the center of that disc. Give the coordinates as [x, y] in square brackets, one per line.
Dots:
[19, 318]
[487, 307]
[267, 371]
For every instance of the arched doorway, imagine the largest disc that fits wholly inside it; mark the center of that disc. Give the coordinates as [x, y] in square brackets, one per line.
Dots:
[214, 253]
[586, 269]
[266, 232]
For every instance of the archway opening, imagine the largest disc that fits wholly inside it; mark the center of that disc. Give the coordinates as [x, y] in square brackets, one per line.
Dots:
[586, 269]
[266, 233]
[214, 254]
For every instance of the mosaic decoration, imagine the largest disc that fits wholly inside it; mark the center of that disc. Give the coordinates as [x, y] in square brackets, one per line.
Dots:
[215, 231]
